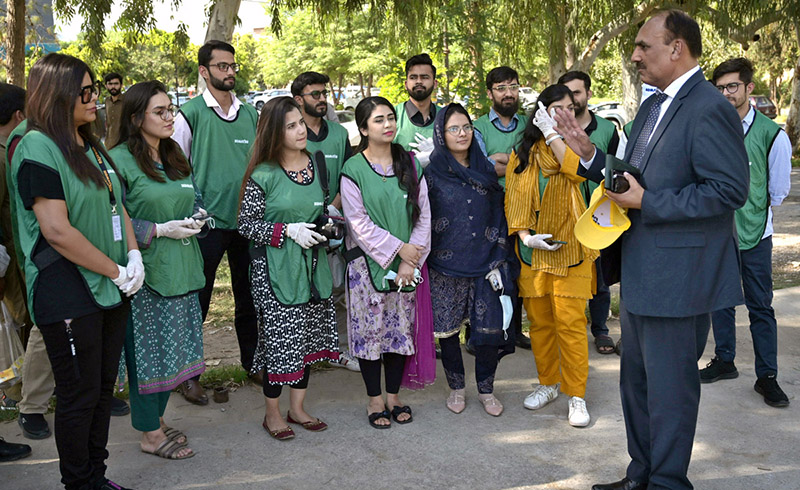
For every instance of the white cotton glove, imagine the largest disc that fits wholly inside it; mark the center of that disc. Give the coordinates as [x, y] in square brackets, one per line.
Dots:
[198, 223]
[538, 241]
[332, 211]
[544, 121]
[494, 279]
[122, 278]
[422, 149]
[5, 259]
[177, 229]
[304, 235]
[135, 273]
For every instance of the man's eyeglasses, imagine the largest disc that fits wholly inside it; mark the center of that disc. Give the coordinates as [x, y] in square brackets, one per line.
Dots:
[732, 87]
[316, 94]
[503, 88]
[223, 67]
[455, 130]
[87, 93]
[165, 113]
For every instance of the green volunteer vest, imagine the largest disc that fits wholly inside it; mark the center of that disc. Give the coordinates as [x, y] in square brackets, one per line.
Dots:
[219, 156]
[407, 130]
[290, 266]
[89, 212]
[173, 269]
[751, 219]
[600, 138]
[333, 147]
[384, 201]
[627, 129]
[498, 141]
[11, 184]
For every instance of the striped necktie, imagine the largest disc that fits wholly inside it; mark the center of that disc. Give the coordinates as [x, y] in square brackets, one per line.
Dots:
[649, 125]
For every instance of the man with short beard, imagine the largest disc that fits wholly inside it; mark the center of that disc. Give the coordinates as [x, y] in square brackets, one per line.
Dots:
[502, 126]
[603, 134]
[415, 116]
[216, 132]
[329, 137]
[113, 108]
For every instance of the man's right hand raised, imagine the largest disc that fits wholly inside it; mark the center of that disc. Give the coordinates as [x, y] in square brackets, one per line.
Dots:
[574, 136]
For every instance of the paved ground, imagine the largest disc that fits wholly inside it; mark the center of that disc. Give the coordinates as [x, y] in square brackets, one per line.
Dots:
[741, 442]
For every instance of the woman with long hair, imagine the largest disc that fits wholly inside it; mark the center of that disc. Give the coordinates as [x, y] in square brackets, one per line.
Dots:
[164, 341]
[81, 258]
[543, 203]
[471, 263]
[385, 202]
[282, 196]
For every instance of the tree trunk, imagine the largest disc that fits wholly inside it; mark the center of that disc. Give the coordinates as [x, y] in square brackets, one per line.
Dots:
[15, 42]
[369, 85]
[558, 47]
[339, 92]
[446, 53]
[793, 121]
[220, 27]
[361, 84]
[631, 81]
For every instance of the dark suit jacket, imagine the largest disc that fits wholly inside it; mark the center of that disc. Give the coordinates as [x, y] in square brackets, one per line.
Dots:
[680, 256]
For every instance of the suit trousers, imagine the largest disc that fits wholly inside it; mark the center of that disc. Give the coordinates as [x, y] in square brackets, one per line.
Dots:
[600, 303]
[558, 341]
[757, 283]
[213, 246]
[660, 389]
[37, 376]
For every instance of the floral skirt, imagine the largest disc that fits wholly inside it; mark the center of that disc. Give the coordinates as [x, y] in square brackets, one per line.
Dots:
[290, 337]
[377, 322]
[167, 338]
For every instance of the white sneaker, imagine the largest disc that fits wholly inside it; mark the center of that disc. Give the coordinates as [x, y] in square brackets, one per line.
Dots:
[578, 415]
[541, 396]
[346, 361]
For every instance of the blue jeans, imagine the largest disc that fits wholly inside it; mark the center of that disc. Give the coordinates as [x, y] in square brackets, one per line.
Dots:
[757, 283]
[600, 303]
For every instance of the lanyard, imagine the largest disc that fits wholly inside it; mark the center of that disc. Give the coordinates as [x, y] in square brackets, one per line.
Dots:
[107, 178]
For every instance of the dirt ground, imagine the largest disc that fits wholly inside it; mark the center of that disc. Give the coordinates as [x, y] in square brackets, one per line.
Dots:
[221, 347]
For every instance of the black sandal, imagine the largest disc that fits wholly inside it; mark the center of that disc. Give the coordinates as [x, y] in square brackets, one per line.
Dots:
[379, 415]
[604, 344]
[396, 411]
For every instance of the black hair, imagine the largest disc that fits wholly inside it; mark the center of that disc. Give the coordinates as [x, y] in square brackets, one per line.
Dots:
[453, 109]
[420, 59]
[402, 164]
[305, 79]
[681, 26]
[134, 106]
[500, 74]
[54, 83]
[112, 76]
[742, 66]
[12, 99]
[532, 134]
[205, 51]
[576, 75]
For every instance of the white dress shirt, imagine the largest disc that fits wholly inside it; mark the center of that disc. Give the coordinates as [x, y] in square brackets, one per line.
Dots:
[183, 132]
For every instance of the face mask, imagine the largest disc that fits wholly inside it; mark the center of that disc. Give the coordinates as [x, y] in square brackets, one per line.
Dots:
[508, 312]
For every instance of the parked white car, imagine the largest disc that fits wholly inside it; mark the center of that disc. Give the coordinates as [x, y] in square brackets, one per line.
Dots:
[612, 111]
[348, 120]
[352, 98]
[268, 95]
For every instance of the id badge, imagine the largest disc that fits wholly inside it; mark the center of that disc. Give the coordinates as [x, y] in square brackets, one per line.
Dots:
[116, 224]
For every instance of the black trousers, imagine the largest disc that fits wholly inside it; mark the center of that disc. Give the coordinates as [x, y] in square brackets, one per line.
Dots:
[660, 387]
[371, 372]
[486, 357]
[84, 387]
[213, 246]
[274, 391]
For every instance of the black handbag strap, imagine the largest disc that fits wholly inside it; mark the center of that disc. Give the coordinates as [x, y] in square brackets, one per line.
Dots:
[322, 173]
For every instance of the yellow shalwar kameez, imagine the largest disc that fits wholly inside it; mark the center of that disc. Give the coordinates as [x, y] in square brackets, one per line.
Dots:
[545, 198]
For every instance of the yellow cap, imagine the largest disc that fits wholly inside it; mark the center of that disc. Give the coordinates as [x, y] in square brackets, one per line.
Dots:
[603, 222]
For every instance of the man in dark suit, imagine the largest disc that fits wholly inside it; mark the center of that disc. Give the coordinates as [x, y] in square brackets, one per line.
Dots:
[680, 259]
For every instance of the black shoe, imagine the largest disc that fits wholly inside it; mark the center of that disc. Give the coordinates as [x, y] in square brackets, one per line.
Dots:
[106, 484]
[12, 452]
[470, 350]
[718, 369]
[624, 484]
[767, 386]
[119, 407]
[33, 425]
[523, 341]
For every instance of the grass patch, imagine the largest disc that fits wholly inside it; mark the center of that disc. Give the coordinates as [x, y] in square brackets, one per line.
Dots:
[795, 162]
[615, 304]
[223, 376]
[222, 309]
